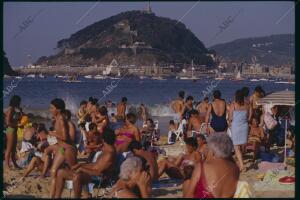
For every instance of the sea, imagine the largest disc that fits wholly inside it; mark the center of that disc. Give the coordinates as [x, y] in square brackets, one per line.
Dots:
[156, 95]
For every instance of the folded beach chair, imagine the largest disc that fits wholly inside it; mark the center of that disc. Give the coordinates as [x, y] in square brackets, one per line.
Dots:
[180, 131]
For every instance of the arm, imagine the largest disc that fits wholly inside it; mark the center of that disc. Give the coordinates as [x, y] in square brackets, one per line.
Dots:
[137, 135]
[8, 117]
[96, 169]
[250, 112]
[230, 113]
[194, 180]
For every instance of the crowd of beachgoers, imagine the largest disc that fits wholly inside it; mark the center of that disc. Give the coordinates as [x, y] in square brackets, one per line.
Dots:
[110, 150]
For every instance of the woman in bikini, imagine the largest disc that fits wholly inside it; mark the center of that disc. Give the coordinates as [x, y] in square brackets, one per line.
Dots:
[127, 133]
[174, 167]
[12, 118]
[218, 176]
[66, 148]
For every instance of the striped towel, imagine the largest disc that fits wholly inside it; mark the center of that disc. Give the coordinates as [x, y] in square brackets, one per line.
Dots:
[243, 190]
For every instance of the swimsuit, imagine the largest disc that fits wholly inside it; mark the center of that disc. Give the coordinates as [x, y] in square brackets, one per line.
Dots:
[9, 130]
[218, 123]
[201, 189]
[127, 134]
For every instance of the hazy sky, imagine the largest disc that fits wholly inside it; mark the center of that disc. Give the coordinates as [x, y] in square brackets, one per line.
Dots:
[34, 28]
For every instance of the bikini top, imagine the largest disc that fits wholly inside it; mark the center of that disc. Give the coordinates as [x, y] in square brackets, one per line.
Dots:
[127, 134]
[202, 191]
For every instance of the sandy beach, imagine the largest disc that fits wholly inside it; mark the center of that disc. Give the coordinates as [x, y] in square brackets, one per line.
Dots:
[35, 187]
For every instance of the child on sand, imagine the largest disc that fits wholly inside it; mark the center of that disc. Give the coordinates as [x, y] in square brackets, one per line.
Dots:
[256, 135]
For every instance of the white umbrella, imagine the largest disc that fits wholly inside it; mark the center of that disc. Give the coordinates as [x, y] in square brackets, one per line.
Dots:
[282, 98]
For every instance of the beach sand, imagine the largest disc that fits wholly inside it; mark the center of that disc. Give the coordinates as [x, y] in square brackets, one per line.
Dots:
[35, 187]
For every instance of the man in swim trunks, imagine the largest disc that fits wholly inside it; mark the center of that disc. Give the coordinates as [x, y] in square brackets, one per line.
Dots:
[194, 123]
[202, 109]
[82, 174]
[94, 141]
[121, 109]
[178, 107]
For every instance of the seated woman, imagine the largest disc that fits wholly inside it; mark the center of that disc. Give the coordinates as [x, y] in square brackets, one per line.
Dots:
[94, 141]
[102, 119]
[134, 182]
[127, 133]
[202, 146]
[218, 176]
[256, 135]
[174, 167]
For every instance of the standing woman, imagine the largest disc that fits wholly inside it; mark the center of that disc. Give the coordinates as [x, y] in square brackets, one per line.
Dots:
[238, 118]
[12, 117]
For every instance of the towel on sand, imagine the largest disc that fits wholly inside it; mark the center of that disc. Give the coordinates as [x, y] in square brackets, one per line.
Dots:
[243, 190]
[271, 181]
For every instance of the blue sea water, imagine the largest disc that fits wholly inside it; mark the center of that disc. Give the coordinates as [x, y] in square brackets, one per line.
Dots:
[36, 93]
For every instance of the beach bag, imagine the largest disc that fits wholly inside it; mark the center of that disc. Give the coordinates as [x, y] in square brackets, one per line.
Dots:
[270, 122]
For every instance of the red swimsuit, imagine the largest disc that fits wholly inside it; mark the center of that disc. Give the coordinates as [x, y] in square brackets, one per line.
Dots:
[202, 191]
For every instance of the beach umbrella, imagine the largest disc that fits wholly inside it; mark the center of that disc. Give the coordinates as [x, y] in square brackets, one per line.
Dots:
[282, 98]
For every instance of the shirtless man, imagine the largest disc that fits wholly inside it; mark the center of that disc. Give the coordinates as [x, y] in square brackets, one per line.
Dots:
[66, 150]
[136, 148]
[202, 109]
[121, 109]
[178, 107]
[194, 123]
[81, 174]
[94, 140]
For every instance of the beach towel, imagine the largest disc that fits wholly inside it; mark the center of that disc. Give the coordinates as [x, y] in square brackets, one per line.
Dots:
[271, 181]
[265, 166]
[166, 183]
[243, 190]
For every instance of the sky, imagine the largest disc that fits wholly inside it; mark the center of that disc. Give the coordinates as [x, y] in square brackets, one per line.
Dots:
[32, 29]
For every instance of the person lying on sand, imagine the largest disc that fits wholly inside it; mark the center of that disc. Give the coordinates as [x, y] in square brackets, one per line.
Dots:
[127, 133]
[136, 148]
[81, 174]
[174, 167]
[134, 181]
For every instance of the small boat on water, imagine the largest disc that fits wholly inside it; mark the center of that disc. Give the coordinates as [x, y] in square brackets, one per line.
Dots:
[99, 77]
[263, 79]
[239, 77]
[31, 76]
[72, 79]
[285, 82]
[114, 78]
[219, 78]
[142, 77]
[254, 80]
[88, 76]
[18, 77]
[159, 78]
[41, 76]
[6, 76]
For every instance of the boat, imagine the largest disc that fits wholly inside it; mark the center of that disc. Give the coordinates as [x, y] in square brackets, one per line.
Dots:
[239, 76]
[114, 78]
[219, 78]
[18, 77]
[263, 79]
[88, 76]
[285, 82]
[6, 76]
[254, 80]
[142, 77]
[41, 76]
[31, 76]
[99, 77]
[72, 79]
[159, 78]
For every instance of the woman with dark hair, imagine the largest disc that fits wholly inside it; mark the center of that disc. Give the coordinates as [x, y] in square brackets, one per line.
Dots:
[102, 119]
[238, 118]
[127, 133]
[217, 109]
[66, 151]
[12, 118]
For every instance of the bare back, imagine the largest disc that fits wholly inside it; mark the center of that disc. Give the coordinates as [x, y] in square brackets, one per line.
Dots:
[219, 107]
